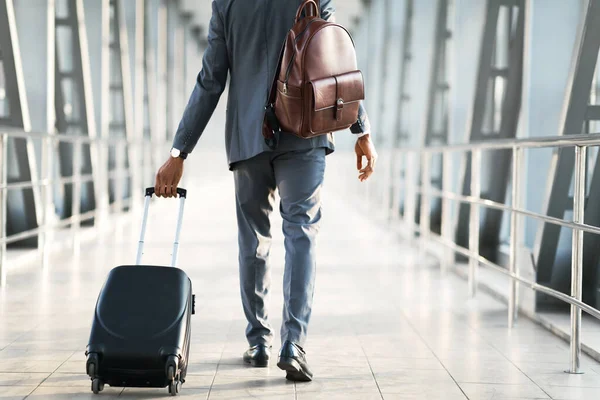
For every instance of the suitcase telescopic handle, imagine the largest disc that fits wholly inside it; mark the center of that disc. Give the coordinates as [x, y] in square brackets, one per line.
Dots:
[140, 251]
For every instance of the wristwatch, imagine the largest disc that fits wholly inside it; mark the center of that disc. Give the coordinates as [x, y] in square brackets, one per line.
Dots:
[176, 153]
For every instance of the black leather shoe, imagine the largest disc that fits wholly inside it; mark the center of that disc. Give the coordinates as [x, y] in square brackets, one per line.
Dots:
[292, 359]
[258, 355]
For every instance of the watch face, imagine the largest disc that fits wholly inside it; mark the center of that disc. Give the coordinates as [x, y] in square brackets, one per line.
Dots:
[175, 153]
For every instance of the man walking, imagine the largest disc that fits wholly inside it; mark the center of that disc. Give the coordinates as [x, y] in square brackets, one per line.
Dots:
[244, 40]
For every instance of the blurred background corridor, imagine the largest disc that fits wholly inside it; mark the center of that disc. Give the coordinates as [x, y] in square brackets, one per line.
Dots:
[467, 267]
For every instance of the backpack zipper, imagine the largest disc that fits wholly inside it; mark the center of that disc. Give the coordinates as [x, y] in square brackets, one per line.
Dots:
[289, 67]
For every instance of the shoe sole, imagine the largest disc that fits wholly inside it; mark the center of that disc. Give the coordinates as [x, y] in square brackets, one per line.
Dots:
[294, 370]
[257, 363]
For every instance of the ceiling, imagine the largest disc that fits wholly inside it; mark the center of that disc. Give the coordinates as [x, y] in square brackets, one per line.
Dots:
[200, 10]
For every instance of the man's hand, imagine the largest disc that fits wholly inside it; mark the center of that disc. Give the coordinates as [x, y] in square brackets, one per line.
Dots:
[365, 148]
[168, 177]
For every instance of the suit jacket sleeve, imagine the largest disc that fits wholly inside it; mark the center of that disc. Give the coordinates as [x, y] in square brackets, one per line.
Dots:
[363, 125]
[327, 9]
[210, 84]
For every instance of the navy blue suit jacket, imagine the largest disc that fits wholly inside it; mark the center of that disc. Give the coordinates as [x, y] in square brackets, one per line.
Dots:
[244, 42]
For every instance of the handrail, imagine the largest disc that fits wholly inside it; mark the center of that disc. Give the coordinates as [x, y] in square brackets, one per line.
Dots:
[592, 139]
[44, 184]
[67, 138]
[416, 180]
[532, 285]
[503, 207]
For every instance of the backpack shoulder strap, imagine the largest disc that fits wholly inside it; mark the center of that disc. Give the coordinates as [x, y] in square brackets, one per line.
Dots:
[271, 123]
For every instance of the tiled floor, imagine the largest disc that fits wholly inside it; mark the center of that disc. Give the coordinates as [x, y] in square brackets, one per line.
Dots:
[386, 323]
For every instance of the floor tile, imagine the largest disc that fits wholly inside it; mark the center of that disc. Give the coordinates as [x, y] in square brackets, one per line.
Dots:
[532, 368]
[15, 392]
[72, 367]
[429, 391]
[519, 355]
[397, 350]
[232, 387]
[207, 358]
[27, 365]
[198, 382]
[324, 372]
[486, 372]
[477, 391]
[386, 365]
[153, 393]
[22, 378]
[246, 371]
[401, 377]
[59, 379]
[325, 360]
[589, 379]
[573, 393]
[341, 395]
[72, 393]
[196, 368]
[360, 384]
[17, 354]
[249, 394]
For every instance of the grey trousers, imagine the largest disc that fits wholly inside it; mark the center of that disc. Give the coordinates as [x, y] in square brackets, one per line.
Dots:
[298, 176]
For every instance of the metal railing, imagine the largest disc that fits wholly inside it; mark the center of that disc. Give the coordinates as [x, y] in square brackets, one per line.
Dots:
[418, 169]
[44, 186]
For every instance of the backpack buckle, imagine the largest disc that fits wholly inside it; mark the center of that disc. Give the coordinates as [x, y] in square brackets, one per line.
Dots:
[339, 108]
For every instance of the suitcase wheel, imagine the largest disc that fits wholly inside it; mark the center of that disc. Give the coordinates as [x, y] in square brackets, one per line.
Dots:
[173, 375]
[97, 385]
[91, 365]
[174, 387]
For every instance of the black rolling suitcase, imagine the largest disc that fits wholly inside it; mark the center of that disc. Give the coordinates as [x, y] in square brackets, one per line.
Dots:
[141, 330]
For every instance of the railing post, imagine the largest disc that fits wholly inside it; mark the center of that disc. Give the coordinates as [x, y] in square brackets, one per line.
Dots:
[104, 144]
[148, 164]
[515, 232]
[119, 176]
[133, 172]
[405, 195]
[3, 205]
[386, 197]
[406, 187]
[577, 256]
[120, 179]
[425, 198]
[446, 209]
[47, 198]
[42, 237]
[396, 186]
[142, 174]
[367, 194]
[474, 221]
[410, 193]
[76, 197]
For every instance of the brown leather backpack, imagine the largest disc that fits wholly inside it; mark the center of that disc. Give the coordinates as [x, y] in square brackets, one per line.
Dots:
[318, 88]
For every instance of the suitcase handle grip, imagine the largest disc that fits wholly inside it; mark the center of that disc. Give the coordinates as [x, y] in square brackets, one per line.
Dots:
[180, 191]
